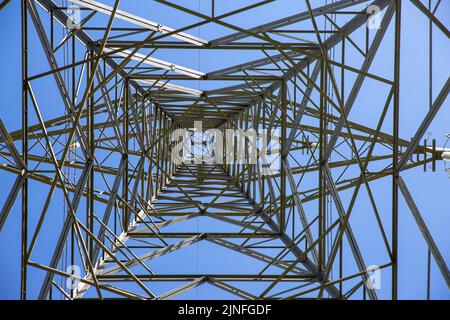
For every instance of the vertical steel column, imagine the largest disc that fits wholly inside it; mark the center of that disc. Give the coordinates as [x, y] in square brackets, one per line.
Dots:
[73, 93]
[283, 157]
[89, 143]
[341, 250]
[24, 226]
[160, 173]
[126, 102]
[166, 150]
[322, 184]
[91, 138]
[145, 143]
[395, 151]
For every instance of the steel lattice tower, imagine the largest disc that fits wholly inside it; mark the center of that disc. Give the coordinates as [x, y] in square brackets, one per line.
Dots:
[106, 211]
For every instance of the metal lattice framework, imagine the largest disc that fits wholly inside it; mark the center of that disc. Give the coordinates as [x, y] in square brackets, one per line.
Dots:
[99, 152]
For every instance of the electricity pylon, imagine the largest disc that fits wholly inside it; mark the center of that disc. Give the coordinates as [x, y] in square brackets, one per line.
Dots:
[106, 210]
